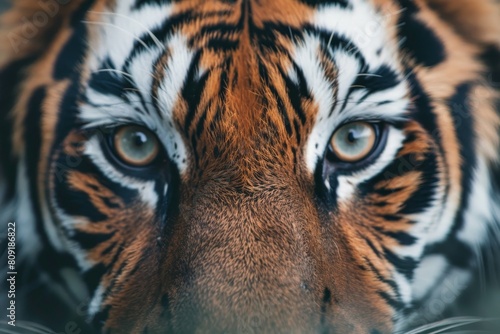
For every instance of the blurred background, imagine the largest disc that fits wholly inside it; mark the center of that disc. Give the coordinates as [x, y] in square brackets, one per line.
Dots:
[4, 4]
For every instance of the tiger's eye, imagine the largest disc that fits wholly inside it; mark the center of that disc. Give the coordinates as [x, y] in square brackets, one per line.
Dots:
[353, 142]
[135, 145]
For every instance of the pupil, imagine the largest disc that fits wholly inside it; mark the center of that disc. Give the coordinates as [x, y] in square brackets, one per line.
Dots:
[351, 136]
[139, 139]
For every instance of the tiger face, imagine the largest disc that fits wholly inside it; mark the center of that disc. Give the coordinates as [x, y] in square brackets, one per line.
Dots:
[269, 166]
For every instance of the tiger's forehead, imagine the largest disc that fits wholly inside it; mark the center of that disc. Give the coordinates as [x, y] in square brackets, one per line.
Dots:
[295, 69]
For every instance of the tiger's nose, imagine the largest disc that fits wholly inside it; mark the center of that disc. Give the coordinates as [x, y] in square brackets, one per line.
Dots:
[244, 265]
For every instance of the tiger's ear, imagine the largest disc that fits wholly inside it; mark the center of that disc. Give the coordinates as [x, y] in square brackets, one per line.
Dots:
[478, 21]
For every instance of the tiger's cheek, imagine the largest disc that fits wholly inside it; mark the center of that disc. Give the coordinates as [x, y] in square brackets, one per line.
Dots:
[381, 232]
[104, 224]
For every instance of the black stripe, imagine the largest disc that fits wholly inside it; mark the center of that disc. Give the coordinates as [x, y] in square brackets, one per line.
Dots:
[396, 305]
[327, 197]
[33, 138]
[266, 37]
[490, 57]
[390, 217]
[200, 126]
[224, 78]
[495, 175]
[296, 127]
[281, 108]
[303, 87]
[147, 41]
[422, 110]
[400, 167]
[418, 40]
[381, 79]
[111, 287]
[192, 90]
[464, 129]
[325, 303]
[107, 82]
[344, 4]
[10, 77]
[223, 32]
[221, 44]
[334, 41]
[88, 241]
[139, 4]
[456, 252]
[421, 199]
[391, 283]
[86, 166]
[32, 127]
[108, 250]
[67, 118]
[297, 92]
[371, 245]
[73, 52]
[76, 203]
[404, 265]
[93, 276]
[403, 238]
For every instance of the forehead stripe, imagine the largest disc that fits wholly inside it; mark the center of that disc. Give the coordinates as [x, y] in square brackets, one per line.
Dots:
[382, 78]
[334, 41]
[73, 51]
[149, 40]
[139, 4]
[107, 80]
[298, 89]
[344, 4]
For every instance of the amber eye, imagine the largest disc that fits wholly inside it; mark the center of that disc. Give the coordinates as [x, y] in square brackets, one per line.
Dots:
[135, 145]
[353, 142]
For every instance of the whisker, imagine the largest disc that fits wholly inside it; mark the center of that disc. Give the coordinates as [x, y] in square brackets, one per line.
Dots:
[470, 332]
[369, 75]
[459, 321]
[105, 24]
[125, 74]
[330, 40]
[442, 330]
[150, 33]
[138, 91]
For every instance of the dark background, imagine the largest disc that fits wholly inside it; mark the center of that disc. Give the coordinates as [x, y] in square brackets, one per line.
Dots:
[4, 4]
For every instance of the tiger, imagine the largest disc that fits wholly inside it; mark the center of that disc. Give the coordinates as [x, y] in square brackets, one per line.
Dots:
[235, 166]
